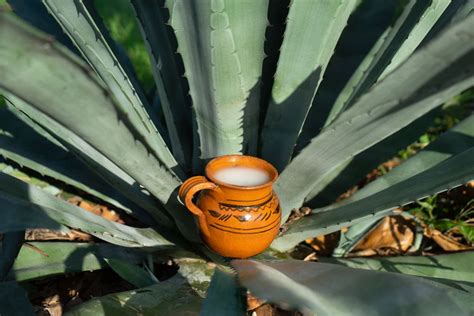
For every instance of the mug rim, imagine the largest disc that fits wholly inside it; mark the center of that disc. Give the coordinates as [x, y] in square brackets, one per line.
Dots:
[269, 166]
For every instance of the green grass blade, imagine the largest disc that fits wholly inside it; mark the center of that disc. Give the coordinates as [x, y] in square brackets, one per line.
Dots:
[221, 44]
[455, 266]
[14, 300]
[171, 297]
[80, 26]
[25, 206]
[168, 77]
[329, 289]
[445, 175]
[312, 31]
[62, 89]
[402, 97]
[224, 295]
[42, 259]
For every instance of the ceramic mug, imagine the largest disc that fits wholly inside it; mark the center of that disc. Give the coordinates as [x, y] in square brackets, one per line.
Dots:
[235, 221]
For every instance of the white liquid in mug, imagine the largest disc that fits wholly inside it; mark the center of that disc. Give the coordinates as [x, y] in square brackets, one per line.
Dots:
[242, 176]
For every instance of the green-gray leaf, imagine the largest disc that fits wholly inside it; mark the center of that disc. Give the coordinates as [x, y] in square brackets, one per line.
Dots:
[41, 259]
[25, 206]
[171, 297]
[402, 97]
[224, 296]
[455, 267]
[55, 84]
[80, 26]
[328, 289]
[450, 173]
[221, 43]
[312, 31]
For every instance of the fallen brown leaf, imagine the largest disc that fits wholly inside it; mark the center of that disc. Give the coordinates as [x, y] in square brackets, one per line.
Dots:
[394, 233]
[253, 302]
[447, 243]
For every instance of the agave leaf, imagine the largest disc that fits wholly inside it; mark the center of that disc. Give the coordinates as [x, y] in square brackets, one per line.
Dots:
[417, 34]
[93, 43]
[365, 25]
[405, 95]
[224, 296]
[379, 56]
[445, 175]
[41, 259]
[455, 267]
[351, 172]
[221, 44]
[25, 144]
[328, 289]
[168, 78]
[34, 12]
[10, 245]
[95, 160]
[453, 142]
[131, 272]
[456, 11]
[62, 89]
[14, 300]
[349, 239]
[313, 27]
[26, 206]
[171, 297]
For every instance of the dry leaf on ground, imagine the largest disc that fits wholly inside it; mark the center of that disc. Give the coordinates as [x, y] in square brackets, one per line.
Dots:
[394, 234]
[447, 243]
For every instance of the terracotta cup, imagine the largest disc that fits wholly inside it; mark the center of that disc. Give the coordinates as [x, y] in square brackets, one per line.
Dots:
[235, 221]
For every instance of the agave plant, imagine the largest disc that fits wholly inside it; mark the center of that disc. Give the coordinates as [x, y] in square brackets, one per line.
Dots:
[324, 90]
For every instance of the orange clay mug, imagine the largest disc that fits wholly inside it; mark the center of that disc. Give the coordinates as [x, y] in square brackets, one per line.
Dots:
[236, 221]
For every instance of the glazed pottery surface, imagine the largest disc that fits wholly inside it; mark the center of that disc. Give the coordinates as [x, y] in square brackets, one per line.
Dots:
[235, 221]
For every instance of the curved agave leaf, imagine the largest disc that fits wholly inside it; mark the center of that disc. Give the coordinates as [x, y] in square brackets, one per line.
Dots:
[365, 25]
[25, 206]
[312, 31]
[171, 297]
[221, 43]
[34, 12]
[455, 267]
[10, 245]
[95, 160]
[62, 89]
[328, 289]
[41, 259]
[132, 273]
[453, 142]
[14, 300]
[168, 77]
[224, 296]
[392, 104]
[79, 24]
[379, 56]
[25, 144]
[349, 173]
[445, 175]
[417, 34]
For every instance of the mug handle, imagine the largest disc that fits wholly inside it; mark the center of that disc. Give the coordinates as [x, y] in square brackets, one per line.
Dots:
[186, 193]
